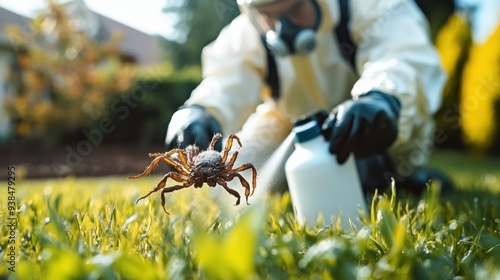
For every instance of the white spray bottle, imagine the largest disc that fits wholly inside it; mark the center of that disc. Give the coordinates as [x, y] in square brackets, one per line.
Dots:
[318, 184]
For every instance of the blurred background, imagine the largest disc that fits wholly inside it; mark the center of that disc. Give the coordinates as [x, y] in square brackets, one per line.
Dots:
[87, 87]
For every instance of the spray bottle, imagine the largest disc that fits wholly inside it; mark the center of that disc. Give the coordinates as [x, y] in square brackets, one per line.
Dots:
[318, 184]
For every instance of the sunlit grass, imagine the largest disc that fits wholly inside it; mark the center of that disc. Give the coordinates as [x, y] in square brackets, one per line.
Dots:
[90, 221]
[92, 229]
[470, 171]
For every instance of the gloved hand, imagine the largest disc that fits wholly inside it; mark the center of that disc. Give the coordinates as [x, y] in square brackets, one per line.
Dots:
[365, 127]
[192, 125]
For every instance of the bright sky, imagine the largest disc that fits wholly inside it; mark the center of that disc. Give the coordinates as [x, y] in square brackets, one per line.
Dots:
[486, 18]
[144, 15]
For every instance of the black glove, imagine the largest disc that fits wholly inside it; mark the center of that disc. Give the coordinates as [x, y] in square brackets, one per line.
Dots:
[366, 126]
[192, 125]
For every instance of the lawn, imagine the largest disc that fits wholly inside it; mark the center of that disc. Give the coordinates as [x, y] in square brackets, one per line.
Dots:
[92, 229]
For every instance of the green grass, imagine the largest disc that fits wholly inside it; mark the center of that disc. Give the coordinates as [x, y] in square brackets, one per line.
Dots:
[92, 229]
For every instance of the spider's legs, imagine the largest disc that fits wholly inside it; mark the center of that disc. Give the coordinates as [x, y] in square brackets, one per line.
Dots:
[229, 145]
[229, 190]
[174, 175]
[181, 166]
[244, 183]
[254, 174]
[230, 164]
[216, 137]
[171, 189]
[150, 166]
[191, 152]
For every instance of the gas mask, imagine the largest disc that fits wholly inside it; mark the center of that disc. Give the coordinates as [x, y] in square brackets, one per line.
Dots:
[282, 37]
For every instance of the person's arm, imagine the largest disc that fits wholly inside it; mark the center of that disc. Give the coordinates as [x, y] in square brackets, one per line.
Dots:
[233, 70]
[395, 56]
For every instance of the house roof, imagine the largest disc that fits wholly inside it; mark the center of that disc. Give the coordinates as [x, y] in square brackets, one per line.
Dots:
[6, 18]
[142, 47]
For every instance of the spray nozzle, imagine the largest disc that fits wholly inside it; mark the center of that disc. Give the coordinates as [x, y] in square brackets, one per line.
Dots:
[308, 126]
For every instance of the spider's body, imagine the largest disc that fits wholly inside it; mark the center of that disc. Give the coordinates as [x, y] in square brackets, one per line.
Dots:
[196, 168]
[208, 165]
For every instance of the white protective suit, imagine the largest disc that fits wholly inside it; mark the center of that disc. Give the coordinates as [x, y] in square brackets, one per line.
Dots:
[394, 56]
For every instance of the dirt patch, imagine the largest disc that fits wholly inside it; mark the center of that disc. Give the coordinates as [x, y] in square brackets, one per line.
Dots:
[33, 162]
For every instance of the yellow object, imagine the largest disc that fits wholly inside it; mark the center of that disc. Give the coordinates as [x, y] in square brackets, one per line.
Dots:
[453, 37]
[480, 90]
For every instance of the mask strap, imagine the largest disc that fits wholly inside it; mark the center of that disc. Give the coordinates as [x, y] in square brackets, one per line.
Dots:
[272, 78]
[346, 46]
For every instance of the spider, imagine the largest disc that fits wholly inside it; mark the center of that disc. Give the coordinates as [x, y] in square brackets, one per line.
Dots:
[195, 167]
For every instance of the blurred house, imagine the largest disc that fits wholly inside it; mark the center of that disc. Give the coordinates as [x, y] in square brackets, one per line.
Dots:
[136, 47]
[7, 53]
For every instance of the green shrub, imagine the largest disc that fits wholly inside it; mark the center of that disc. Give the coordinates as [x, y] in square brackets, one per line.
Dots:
[141, 116]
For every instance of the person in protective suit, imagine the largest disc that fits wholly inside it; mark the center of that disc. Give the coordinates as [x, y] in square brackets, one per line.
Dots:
[380, 108]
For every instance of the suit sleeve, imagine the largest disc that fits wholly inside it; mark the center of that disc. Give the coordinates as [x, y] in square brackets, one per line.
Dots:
[395, 56]
[233, 70]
